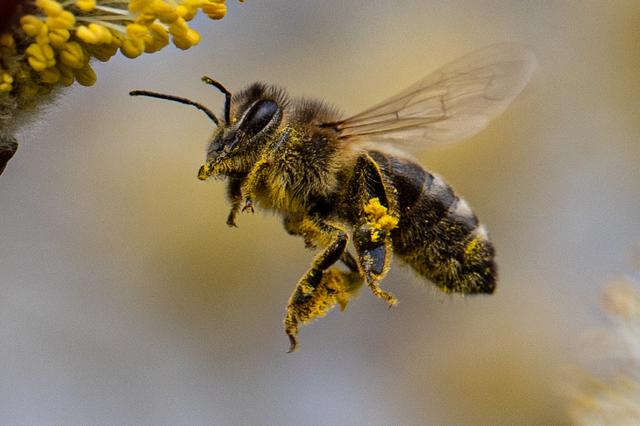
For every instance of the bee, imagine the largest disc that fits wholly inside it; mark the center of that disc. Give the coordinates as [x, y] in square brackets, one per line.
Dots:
[335, 180]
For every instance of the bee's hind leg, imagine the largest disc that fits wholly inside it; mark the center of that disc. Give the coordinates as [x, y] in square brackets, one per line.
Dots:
[320, 289]
[349, 261]
[372, 234]
[373, 245]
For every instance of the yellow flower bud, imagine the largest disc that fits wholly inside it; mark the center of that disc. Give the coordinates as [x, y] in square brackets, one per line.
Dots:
[157, 38]
[72, 55]
[193, 36]
[181, 42]
[182, 11]
[6, 82]
[59, 37]
[31, 25]
[179, 28]
[66, 75]
[50, 7]
[188, 9]
[103, 52]
[164, 11]
[137, 31]
[159, 31]
[103, 33]
[61, 48]
[50, 75]
[6, 40]
[40, 56]
[137, 6]
[94, 34]
[132, 48]
[65, 20]
[43, 35]
[86, 5]
[86, 35]
[214, 10]
[86, 76]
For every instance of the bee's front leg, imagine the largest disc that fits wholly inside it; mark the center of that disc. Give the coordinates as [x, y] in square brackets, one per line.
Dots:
[251, 182]
[320, 289]
[234, 194]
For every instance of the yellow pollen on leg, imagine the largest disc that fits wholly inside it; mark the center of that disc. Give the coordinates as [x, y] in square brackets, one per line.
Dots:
[377, 216]
[204, 172]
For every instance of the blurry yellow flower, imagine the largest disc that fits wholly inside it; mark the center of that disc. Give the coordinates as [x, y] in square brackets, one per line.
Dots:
[46, 44]
[5, 81]
[64, 32]
[611, 396]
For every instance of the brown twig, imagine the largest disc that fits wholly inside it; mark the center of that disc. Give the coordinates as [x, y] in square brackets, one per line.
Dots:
[8, 147]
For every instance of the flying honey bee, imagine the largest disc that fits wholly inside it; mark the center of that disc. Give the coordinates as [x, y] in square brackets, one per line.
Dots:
[333, 179]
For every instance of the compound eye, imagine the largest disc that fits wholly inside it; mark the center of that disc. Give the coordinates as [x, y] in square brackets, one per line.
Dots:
[258, 117]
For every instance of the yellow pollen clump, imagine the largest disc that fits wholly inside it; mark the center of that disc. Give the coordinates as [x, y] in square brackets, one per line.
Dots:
[378, 218]
[204, 172]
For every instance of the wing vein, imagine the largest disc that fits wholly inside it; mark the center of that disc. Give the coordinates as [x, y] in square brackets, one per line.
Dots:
[451, 104]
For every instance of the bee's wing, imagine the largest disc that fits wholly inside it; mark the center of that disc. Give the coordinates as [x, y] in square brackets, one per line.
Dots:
[451, 104]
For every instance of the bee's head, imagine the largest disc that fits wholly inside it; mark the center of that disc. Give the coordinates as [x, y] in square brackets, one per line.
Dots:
[250, 119]
[255, 115]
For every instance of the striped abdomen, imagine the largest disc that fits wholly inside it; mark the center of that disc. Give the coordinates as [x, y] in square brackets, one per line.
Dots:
[438, 233]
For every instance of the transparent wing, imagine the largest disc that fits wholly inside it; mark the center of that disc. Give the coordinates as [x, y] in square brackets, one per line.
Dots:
[451, 104]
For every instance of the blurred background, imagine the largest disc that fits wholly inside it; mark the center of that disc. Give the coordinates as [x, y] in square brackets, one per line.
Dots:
[125, 299]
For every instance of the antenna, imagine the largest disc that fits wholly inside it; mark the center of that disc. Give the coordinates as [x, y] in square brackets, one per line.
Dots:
[185, 101]
[227, 97]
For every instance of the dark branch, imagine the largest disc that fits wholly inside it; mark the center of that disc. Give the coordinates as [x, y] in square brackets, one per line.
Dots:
[8, 147]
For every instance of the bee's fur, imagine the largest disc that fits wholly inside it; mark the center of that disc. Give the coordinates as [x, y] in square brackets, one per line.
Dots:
[278, 155]
[338, 180]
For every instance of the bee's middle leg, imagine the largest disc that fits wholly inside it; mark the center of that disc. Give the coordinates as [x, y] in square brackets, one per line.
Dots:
[321, 289]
